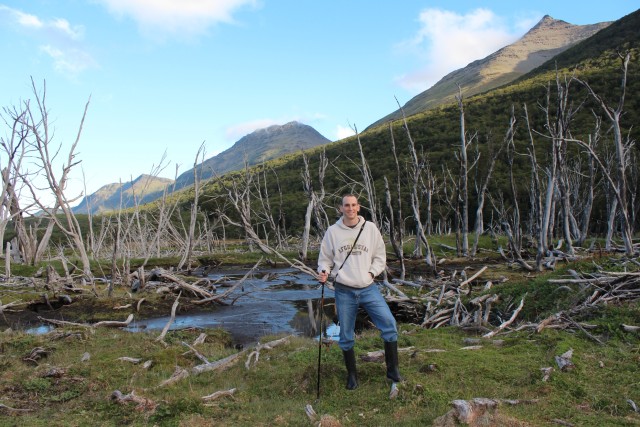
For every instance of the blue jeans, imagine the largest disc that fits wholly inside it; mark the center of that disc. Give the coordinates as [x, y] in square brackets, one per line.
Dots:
[347, 302]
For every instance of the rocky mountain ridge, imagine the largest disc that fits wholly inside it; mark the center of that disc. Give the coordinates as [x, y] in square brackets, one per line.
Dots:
[546, 39]
[261, 145]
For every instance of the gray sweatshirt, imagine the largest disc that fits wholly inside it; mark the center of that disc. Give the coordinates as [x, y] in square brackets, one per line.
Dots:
[368, 256]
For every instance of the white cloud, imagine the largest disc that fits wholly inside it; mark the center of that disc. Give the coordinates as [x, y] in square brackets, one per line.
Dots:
[27, 20]
[69, 61]
[236, 132]
[64, 27]
[343, 132]
[55, 37]
[56, 27]
[177, 16]
[448, 41]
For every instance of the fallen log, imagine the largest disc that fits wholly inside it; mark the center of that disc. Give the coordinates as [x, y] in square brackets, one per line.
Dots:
[472, 278]
[133, 360]
[630, 328]
[104, 323]
[217, 365]
[507, 323]
[170, 322]
[114, 323]
[143, 404]
[216, 298]
[219, 394]
[10, 409]
[178, 374]
[255, 354]
[163, 274]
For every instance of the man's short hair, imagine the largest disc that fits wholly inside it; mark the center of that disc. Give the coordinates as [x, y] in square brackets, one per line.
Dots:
[348, 195]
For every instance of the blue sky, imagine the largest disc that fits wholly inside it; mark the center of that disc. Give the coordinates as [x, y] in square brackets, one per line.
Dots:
[169, 75]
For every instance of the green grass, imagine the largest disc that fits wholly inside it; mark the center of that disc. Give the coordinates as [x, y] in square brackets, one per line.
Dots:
[276, 390]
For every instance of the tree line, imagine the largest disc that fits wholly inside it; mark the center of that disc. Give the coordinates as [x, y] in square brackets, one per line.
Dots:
[536, 179]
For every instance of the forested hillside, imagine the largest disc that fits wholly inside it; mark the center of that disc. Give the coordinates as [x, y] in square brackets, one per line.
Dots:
[437, 138]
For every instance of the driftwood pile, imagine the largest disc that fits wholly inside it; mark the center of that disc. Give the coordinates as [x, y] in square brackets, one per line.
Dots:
[600, 289]
[441, 301]
[447, 300]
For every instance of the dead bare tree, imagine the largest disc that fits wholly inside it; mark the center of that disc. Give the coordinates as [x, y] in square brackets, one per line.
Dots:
[396, 222]
[622, 153]
[367, 182]
[319, 213]
[415, 177]
[238, 195]
[189, 239]
[314, 204]
[40, 140]
[117, 233]
[538, 214]
[31, 242]
[464, 179]
[559, 189]
[163, 220]
[270, 222]
[510, 217]
[481, 192]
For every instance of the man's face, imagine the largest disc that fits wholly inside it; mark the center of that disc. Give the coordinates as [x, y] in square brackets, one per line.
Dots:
[350, 207]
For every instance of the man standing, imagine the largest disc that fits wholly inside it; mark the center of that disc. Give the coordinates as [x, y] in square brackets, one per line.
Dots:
[353, 254]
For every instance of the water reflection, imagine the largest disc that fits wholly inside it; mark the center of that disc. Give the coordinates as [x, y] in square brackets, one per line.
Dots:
[281, 301]
[38, 330]
[272, 302]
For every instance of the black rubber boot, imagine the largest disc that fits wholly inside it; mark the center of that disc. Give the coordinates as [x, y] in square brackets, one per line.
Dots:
[391, 359]
[352, 374]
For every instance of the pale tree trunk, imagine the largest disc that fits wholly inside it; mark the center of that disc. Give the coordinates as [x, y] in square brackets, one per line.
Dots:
[117, 233]
[238, 195]
[551, 171]
[415, 179]
[428, 188]
[307, 185]
[590, 196]
[91, 237]
[367, 179]
[537, 211]
[189, 240]
[162, 221]
[611, 223]
[315, 200]
[482, 192]
[622, 149]
[266, 212]
[559, 132]
[464, 180]
[319, 213]
[30, 245]
[512, 224]
[396, 226]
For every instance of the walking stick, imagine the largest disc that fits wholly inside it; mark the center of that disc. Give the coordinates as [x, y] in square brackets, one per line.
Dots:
[320, 337]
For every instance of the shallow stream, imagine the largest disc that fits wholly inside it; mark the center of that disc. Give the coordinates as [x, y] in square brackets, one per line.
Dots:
[274, 301]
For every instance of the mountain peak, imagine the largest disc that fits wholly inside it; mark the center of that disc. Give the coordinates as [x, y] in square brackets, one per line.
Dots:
[546, 39]
[279, 128]
[122, 194]
[546, 21]
[258, 146]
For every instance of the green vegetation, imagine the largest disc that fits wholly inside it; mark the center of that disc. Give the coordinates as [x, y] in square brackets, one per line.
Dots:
[276, 390]
[58, 388]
